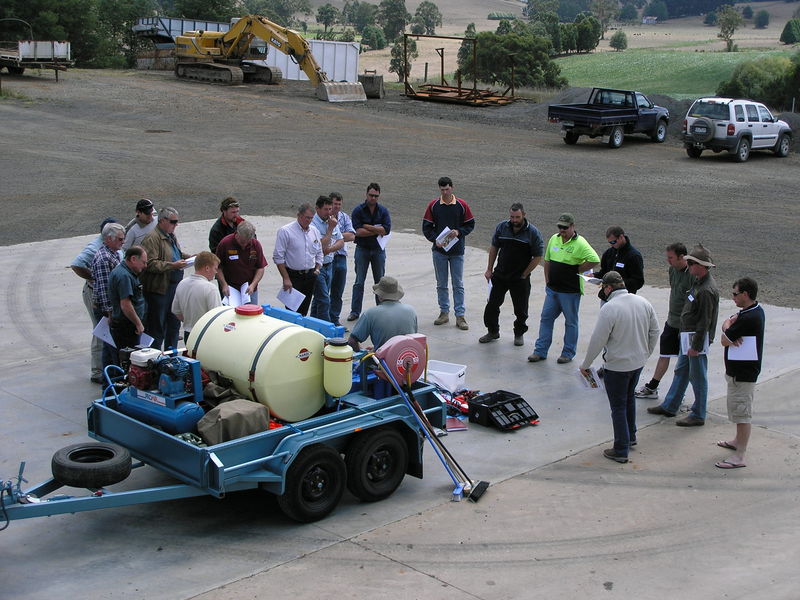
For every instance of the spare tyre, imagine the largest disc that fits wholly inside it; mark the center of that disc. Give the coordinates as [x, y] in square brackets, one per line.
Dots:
[702, 129]
[91, 465]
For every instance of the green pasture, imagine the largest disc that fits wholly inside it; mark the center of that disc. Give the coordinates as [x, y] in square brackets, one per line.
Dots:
[676, 73]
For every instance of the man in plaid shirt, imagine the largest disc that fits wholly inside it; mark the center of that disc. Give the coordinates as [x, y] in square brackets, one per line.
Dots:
[104, 261]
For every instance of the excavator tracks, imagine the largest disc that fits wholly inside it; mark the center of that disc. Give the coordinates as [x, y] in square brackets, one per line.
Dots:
[210, 72]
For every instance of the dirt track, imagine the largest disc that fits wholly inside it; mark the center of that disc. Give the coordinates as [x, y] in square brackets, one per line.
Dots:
[89, 146]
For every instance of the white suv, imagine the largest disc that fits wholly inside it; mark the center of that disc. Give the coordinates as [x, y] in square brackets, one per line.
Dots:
[734, 125]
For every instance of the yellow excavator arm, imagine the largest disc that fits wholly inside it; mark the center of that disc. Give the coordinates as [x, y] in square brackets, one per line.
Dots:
[234, 45]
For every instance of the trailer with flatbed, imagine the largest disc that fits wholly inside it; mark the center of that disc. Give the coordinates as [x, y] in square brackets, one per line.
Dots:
[35, 54]
[365, 440]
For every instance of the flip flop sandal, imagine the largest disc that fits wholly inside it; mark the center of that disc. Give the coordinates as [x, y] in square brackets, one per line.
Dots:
[725, 464]
[727, 445]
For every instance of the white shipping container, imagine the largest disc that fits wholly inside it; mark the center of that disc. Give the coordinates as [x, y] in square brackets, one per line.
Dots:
[339, 61]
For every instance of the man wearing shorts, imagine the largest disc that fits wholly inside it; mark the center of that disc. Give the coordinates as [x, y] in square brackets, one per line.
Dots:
[740, 331]
[680, 280]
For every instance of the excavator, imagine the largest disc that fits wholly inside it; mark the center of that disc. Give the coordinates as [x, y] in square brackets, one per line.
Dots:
[227, 58]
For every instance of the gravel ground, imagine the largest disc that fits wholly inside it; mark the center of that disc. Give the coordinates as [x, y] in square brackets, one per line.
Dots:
[89, 146]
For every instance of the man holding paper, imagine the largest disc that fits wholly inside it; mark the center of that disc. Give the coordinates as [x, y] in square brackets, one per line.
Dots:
[241, 261]
[743, 339]
[128, 306]
[698, 323]
[298, 258]
[447, 221]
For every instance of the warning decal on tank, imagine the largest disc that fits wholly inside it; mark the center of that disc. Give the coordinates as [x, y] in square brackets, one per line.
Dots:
[304, 354]
[229, 326]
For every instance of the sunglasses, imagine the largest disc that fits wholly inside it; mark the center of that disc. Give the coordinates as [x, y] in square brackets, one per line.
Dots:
[173, 221]
[563, 227]
[734, 294]
[612, 242]
[373, 195]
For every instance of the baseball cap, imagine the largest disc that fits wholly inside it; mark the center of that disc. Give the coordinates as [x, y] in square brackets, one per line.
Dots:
[144, 205]
[566, 220]
[612, 278]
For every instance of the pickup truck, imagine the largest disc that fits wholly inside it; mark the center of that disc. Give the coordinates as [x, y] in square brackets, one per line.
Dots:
[611, 114]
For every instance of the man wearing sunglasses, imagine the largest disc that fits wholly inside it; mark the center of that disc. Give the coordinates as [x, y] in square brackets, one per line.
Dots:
[566, 257]
[165, 264]
[698, 324]
[623, 258]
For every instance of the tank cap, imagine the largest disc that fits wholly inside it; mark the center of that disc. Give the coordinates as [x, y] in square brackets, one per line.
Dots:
[336, 341]
[249, 310]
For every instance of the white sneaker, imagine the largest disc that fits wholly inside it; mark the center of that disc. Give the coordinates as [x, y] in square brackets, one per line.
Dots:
[646, 393]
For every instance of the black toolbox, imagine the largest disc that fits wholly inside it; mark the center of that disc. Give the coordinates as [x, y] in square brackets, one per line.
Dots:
[504, 410]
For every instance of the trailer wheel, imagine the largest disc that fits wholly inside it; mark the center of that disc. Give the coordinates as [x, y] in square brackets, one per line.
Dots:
[615, 137]
[376, 464]
[91, 465]
[694, 151]
[314, 484]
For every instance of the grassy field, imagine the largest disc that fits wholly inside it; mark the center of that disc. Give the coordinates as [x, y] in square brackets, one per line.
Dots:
[678, 74]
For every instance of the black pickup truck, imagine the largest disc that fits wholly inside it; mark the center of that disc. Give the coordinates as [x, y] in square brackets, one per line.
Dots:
[612, 114]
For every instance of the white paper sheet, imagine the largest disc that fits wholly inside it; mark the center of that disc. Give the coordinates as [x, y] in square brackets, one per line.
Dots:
[383, 240]
[686, 341]
[442, 236]
[747, 351]
[291, 299]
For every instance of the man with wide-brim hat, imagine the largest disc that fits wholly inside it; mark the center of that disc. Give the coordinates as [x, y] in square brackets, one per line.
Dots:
[698, 324]
[388, 319]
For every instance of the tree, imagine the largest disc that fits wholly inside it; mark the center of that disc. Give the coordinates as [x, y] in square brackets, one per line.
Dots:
[281, 12]
[396, 62]
[729, 20]
[536, 7]
[359, 14]
[711, 19]
[747, 12]
[629, 14]
[503, 27]
[119, 45]
[762, 19]
[791, 32]
[327, 15]
[428, 15]
[465, 50]
[569, 37]
[373, 37]
[588, 31]
[765, 79]
[209, 10]
[657, 9]
[604, 11]
[618, 41]
[393, 17]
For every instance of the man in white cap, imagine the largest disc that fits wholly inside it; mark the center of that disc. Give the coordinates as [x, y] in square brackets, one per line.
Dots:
[387, 319]
[698, 324]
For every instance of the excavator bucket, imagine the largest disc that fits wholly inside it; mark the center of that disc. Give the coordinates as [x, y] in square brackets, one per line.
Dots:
[341, 91]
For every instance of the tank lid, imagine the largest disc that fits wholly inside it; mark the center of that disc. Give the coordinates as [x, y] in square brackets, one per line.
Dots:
[336, 341]
[249, 310]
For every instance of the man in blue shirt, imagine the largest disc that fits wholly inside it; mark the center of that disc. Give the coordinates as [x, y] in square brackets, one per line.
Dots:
[339, 273]
[332, 241]
[371, 222]
[128, 307]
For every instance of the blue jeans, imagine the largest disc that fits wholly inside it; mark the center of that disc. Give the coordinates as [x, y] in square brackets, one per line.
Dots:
[455, 264]
[556, 303]
[338, 279]
[620, 386]
[321, 304]
[694, 370]
[364, 258]
[161, 324]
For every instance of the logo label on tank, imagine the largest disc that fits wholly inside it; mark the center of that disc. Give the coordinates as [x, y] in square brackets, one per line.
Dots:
[161, 401]
[304, 354]
[229, 327]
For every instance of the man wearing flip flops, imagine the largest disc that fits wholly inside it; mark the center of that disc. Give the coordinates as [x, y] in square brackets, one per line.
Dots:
[743, 339]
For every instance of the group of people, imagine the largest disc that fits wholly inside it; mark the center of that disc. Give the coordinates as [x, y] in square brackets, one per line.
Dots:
[144, 290]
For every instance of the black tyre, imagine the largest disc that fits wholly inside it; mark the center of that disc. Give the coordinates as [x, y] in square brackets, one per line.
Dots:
[16, 70]
[782, 147]
[694, 151]
[571, 138]
[660, 132]
[91, 465]
[315, 483]
[742, 152]
[702, 129]
[615, 137]
[376, 464]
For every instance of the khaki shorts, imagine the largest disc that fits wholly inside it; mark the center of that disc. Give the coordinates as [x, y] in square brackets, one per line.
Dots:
[740, 400]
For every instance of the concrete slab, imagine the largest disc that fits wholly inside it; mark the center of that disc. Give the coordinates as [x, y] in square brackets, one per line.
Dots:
[545, 522]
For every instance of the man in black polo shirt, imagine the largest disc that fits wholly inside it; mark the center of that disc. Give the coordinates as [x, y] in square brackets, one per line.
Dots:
[520, 247]
[741, 334]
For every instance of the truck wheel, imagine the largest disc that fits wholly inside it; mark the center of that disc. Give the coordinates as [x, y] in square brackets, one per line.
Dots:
[16, 70]
[707, 129]
[660, 132]
[694, 151]
[571, 138]
[742, 152]
[782, 147]
[91, 465]
[376, 464]
[314, 484]
[615, 137]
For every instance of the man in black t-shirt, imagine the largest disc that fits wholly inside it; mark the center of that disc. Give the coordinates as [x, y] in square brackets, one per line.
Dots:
[743, 339]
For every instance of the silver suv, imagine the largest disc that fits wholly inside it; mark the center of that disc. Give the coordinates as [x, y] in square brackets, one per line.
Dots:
[734, 125]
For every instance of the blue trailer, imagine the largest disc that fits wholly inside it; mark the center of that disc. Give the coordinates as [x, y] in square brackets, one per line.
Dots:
[360, 441]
